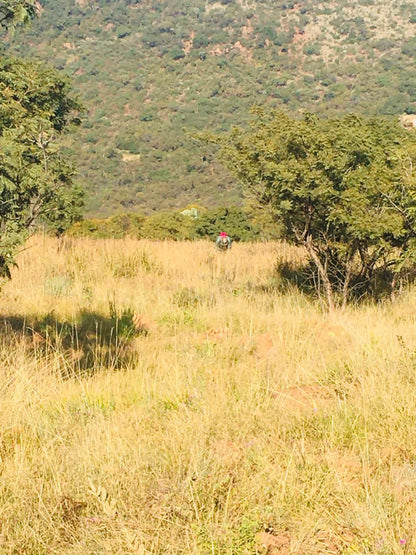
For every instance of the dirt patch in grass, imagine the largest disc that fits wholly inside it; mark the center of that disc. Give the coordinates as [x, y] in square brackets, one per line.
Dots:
[271, 544]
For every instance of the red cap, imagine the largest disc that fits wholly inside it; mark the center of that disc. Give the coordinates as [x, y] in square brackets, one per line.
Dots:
[223, 234]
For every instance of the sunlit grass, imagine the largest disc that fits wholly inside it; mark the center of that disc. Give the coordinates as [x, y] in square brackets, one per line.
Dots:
[166, 398]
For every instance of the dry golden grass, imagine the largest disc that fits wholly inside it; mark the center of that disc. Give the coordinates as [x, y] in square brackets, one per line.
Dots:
[166, 398]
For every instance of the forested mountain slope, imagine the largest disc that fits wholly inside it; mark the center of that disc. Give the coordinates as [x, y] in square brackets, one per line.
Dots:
[152, 72]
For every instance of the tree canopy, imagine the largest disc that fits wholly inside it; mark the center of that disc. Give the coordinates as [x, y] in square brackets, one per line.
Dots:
[36, 183]
[343, 188]
[17, 12]
[232, 220]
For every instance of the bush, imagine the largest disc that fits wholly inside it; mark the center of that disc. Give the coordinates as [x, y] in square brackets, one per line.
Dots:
[115, 227]
[168, 225]
[195, 222]
[233, 220]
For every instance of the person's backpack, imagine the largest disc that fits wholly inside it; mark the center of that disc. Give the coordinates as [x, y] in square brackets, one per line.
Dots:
[224, 242]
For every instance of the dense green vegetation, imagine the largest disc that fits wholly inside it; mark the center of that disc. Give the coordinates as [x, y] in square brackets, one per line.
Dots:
[343, 189]
[168, 224]
[36, 182]
[151, 73]
[17, 12]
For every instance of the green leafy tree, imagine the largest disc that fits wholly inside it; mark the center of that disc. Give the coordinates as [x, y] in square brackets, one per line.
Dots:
[17, 12]
[232, 220]
[36, 184]
[344, 189]
[168, 225]
[115, 227]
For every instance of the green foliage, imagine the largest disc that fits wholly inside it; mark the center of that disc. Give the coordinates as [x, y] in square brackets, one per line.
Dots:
[342, 188]
[116, 227]
[312, 49]
[233, 220]
[409, 47]
[168, 225]
[177, 53]
[151, 73]
[17, 12]
[195, 222]
[35, 181]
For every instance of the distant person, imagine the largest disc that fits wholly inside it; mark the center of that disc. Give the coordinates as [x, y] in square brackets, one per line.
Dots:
[223, 242]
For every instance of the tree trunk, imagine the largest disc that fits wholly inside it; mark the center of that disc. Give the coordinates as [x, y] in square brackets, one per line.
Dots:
[322, 272]
[348, 276]
[393, 289]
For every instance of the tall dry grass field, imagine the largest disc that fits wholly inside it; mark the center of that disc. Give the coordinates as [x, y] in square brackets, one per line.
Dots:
[163, 398]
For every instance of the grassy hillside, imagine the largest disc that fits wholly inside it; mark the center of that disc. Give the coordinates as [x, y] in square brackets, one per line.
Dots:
[161, 398]
[151, 73]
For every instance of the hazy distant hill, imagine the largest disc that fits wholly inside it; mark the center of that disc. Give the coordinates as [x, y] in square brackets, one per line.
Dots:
[151, 72]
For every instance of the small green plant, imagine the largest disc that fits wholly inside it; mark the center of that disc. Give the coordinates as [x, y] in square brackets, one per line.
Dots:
[58, 286]
[187, 297]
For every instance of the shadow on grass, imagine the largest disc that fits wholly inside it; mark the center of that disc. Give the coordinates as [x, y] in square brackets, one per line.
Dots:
[304, 278]
[289, 277]
[81, 347]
